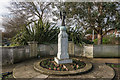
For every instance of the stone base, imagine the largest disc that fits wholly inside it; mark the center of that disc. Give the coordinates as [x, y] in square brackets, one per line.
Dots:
[62, 61]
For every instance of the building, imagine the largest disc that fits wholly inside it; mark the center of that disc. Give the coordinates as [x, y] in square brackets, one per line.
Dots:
[115, 32]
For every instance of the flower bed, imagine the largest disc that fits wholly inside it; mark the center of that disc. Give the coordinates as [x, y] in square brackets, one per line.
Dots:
[49, 67]
[52, 65]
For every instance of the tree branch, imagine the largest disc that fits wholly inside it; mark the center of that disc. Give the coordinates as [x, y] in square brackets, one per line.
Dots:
[105, 32]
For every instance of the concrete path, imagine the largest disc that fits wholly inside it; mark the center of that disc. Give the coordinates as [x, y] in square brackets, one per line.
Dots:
[9, 68]
[106, 60]
[100, 71]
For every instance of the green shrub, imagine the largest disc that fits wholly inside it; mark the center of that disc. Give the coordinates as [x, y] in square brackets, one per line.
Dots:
[106, 41]
[87, 41]
[76, 36]
[40, 32]
[44, 33]
[109, 39]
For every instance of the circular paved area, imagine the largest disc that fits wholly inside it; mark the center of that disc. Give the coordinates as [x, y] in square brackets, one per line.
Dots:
[25, 70]
[39, 68]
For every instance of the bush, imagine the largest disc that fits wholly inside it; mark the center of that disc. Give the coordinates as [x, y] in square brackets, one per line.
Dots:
[110, 39]
[87, 41]
[77, 36]
[44, 33]
[40, 32]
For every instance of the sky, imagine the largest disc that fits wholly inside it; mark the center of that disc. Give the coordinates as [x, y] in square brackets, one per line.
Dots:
[3, 11]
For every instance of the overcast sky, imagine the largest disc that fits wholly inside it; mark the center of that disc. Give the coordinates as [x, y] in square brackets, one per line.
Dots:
[3, 11]
[5, 3]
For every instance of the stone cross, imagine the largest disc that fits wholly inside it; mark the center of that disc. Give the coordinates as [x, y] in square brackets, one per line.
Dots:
[62, 55]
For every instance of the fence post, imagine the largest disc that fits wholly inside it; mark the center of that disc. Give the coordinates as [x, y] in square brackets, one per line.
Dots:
[88, 51]
[71, 48]
[33, 48]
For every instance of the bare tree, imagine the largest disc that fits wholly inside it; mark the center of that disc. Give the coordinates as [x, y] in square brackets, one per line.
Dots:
[23, 13]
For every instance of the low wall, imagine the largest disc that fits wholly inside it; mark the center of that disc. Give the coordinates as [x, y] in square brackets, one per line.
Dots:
[106, 50]
[14, 54]
[78, 51]
[52, 49]
[88, 51]
[11, 55]
[47, 49]
[101, 51]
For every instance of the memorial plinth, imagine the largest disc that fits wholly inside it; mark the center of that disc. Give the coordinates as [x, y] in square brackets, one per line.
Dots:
[62, 55]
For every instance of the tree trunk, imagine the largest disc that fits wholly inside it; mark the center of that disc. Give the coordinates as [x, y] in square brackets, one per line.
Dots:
[99, 36]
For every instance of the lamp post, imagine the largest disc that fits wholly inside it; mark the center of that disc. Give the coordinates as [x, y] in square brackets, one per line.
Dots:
[93, 36]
